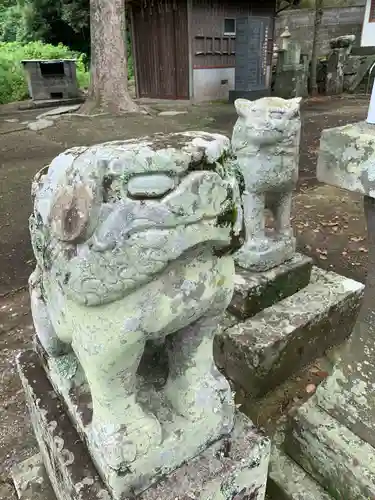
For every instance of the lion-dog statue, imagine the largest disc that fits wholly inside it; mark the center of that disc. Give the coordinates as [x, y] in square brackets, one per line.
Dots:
[266, 140]
[133, 243]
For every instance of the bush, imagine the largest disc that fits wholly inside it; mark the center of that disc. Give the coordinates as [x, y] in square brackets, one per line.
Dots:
[13, 85]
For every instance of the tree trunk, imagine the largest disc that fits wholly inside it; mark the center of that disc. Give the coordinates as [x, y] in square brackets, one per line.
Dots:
[109, 74]
[314, 52]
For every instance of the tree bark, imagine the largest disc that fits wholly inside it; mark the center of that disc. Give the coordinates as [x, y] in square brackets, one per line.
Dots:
[109, 72]
[314, 52]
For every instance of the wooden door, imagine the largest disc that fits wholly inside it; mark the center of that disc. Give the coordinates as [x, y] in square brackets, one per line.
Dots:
[161, 49]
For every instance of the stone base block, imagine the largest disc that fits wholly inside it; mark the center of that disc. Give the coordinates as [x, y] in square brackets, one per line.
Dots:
[233, 467]
[254, 292]
[262, 352]
[288, 481]
[340, 461]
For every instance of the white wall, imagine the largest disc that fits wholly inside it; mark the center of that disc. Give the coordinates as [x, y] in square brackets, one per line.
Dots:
[368, 29]
[208, 83]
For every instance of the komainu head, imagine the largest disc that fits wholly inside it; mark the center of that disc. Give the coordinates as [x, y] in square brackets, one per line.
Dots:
[107, 218]
[266, 121]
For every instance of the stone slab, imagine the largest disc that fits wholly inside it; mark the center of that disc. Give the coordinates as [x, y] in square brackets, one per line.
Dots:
[340, 461]
[254, 292]
[49, 103]
[347, 158]
[40, 124]
[233, 467]
[288, 481]
[31, 481]
[263, 351]
[61, 110]
[172, 113]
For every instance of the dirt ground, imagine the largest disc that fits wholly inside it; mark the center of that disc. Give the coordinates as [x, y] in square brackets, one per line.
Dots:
[328, 222]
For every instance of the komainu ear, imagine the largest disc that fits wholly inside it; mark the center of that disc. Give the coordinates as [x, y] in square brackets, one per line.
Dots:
[243, 107]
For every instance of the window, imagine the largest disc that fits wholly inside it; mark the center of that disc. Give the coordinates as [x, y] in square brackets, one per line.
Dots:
[372, 12]
[230, 26]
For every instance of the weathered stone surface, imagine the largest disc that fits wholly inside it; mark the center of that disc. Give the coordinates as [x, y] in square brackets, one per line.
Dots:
[172, 113]
[288, 481]
[347, 158]
[31, 481]
[233, 467]
[347, 394]
[338, 459]
[40, 124]
[62, 450]
[115, 271]
[253, 292]
[332, 436]
[61, 110]
[342, 42]
[266, 141]
[266, 349]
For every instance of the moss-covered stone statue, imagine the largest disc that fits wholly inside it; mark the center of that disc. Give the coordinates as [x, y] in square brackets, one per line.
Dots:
[133, 244]
[266, 139]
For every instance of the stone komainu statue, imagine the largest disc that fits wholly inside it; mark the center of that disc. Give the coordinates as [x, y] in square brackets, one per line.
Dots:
[132, 242]
[266, 141]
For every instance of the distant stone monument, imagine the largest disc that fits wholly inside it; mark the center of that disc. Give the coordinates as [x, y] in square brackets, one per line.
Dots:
[266, 141]
[132, 241]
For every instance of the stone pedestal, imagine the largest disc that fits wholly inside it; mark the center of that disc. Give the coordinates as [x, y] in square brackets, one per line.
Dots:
[332, 436]
[232, 467]
[253, 291]
[261, 352]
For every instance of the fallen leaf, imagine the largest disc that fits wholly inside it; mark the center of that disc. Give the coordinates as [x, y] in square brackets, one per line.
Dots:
[356, 239]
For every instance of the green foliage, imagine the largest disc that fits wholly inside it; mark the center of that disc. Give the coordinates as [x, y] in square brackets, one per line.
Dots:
[13, 86]
[49, 21]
